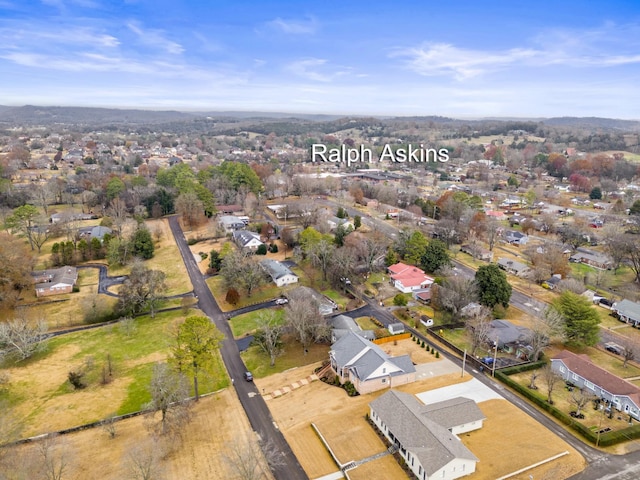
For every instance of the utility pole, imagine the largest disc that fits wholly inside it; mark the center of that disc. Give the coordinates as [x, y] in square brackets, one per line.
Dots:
[464, 361]
[495, 355]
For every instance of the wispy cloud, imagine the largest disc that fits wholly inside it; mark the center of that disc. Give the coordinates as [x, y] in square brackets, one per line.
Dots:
[603, 47]
[294, 27]
[315, 69]
[445, 59]
[155, 38]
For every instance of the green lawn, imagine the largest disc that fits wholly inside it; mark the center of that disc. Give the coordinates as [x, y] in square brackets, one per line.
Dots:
[366, 323]
[246, 323]
[267, 292]
[258, 362]
[134, 348]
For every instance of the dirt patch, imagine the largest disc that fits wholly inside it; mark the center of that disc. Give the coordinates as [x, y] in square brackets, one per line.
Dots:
[408, 347]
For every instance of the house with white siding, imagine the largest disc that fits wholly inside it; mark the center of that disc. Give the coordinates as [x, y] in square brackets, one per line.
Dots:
[426, 436]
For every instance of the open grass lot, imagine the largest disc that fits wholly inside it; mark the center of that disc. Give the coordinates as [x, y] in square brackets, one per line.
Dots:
[45, 401]
[341, 419]
[258, 362]
[246, 323]
[266, 292]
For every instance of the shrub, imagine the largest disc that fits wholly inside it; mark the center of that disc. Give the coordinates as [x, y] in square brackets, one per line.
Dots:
[400, 300]
[274, 248]
[233, 297]
[192, 241]
[76, 378]
[437, 354]
[422, 343]
[261, 250]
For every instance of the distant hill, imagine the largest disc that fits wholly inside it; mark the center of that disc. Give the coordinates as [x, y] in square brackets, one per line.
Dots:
[33, 115]
[593, 123]
[30, 115]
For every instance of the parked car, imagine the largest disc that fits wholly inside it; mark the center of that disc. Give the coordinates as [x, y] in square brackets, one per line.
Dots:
[248, 376]
[606, 303]
[282, 301]
[613, 348]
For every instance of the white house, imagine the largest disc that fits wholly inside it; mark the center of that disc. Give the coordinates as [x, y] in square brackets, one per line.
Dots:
[426, 435]
[279, 273]
[247, 241]
[408, 278]
[230, 223]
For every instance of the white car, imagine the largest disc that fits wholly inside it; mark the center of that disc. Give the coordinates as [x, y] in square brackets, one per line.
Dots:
[281, 301]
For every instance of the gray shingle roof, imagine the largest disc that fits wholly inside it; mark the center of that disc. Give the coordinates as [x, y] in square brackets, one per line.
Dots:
[454, 412]
[628, 309]
[243, 237]
[346, 348]
[433, 444]
[276, 269]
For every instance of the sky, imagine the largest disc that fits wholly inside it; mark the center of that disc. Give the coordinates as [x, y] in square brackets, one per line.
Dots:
[460, 59]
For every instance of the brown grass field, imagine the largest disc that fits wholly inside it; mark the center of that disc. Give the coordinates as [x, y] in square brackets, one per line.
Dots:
[217, 421]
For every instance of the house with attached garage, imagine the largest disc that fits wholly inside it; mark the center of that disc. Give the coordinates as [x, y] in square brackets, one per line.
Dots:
[627, 311]
[246, 241]
[363, 363]
[593, 259]
[55, 281]
[279, 273]
[426, 436]
[580, 371]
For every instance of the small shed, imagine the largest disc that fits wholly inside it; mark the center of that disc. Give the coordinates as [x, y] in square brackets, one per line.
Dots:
[396, 328]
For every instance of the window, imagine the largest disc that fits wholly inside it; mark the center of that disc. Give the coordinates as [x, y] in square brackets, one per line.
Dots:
[384, 380]
[588, 384]
[562, 369]
[574, 376]
[384, 370]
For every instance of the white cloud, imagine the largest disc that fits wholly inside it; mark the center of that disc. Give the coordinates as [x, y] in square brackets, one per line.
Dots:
[608, 46]
[314, 69]
[294, 27]
[155, 38]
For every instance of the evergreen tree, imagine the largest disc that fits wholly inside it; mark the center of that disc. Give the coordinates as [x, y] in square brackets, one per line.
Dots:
[142, 243]
[582, 322]
[493, 287]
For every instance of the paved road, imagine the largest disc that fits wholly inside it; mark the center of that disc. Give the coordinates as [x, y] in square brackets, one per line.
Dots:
[252, 402]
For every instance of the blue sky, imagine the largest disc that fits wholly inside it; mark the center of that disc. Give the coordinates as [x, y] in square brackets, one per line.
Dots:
[456, 58]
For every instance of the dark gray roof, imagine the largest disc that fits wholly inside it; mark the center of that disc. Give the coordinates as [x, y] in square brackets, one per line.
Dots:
[503, 331]
[512, 265]
[433, 444]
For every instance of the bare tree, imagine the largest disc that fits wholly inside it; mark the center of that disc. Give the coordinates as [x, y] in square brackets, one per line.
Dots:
[546, 326]
[169, 393]
[580, 398]
[320, 253]
[22, 338]
[268, 335]
[251, 459]
[478, 327]
[303, 317]
[456, 293]
[551, 379]
[143, 460]
[55, 457]
[190, 208]
[42, 197]
[117, 211]
[143, 289]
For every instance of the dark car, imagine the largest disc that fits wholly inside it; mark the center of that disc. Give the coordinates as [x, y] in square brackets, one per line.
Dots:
[606, 302]
[248, 376]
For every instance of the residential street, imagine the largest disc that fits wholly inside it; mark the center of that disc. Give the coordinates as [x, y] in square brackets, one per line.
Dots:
[252, 402]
